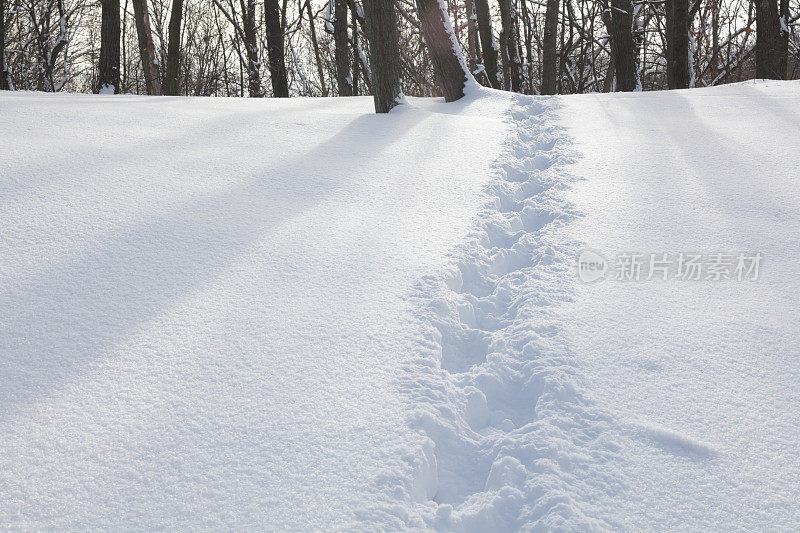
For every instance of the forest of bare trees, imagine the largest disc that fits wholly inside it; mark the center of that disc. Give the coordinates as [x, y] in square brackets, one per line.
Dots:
[389, 48]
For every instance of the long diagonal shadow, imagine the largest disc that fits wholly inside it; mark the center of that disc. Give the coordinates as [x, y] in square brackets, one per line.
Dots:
[773, 103]
[58, 322]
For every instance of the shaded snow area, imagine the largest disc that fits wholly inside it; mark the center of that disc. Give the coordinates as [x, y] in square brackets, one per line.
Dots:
[298, 315]
[203, 304]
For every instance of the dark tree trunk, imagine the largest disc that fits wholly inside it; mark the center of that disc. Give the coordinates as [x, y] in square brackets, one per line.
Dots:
[146, 48]
[549, 57]
[109, 47]
[488, 47]
[4, 84]
[527, 39]
[342, 49]
[171, 85]
[384, 36]
[623, 46]
[512, 71]
[772, 52]
[472, 37]
[445, 55]
[275, 51]
[251, 48]
[677, 52]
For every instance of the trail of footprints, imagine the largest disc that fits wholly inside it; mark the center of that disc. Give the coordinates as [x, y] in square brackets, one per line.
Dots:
[509, 245]
[476, 326]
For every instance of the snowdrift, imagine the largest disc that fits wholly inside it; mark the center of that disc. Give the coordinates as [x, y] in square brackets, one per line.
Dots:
[298, 315]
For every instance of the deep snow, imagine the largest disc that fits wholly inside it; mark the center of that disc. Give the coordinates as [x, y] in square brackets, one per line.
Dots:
[296, 314]
[703, 377]
[202, 307]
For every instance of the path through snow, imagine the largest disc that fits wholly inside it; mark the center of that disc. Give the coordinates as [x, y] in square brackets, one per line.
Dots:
[516, 443]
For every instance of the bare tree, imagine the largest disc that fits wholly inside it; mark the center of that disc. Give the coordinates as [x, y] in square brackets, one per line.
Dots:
[473, 46]
[488, 44]
[108, 72]
[344, 79]
[549, 56]
[274, 27]
[171, 85]
[509, 47]
[677, 40]
[623, 46]
[448, 63]
[250, 40]
[147, 50]
[772, 38]
[222, 47]
[383, 33]
[44, 53]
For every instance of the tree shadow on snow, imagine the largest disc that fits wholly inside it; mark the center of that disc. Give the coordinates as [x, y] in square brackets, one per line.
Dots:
[65, 318]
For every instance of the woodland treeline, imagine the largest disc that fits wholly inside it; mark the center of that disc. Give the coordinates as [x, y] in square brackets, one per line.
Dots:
[284, 48]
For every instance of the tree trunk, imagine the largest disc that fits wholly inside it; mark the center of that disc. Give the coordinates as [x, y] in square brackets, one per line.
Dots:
[472, 37]
[172, 87]
[677, 49]
[448, 64]
[251, 48]
[275, 49]
[342, 49]
[488, 45]
[772, 52]
[384, 36]
[512, 71]
[108, 77]
[549, 57]
[4, 84]
[146, 48]
[623, 46]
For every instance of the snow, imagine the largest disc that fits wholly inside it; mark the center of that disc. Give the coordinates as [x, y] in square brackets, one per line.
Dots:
[296, 314]
[703, 377]
[203, 303]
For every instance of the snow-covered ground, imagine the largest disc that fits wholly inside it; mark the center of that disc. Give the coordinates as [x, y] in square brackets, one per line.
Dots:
[298, 315]
[702, 377]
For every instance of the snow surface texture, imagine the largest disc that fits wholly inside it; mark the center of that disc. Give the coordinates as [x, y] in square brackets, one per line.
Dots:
[202, 313]
[640, 405]
[515, 443]
[703, 377]
[298, 315]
